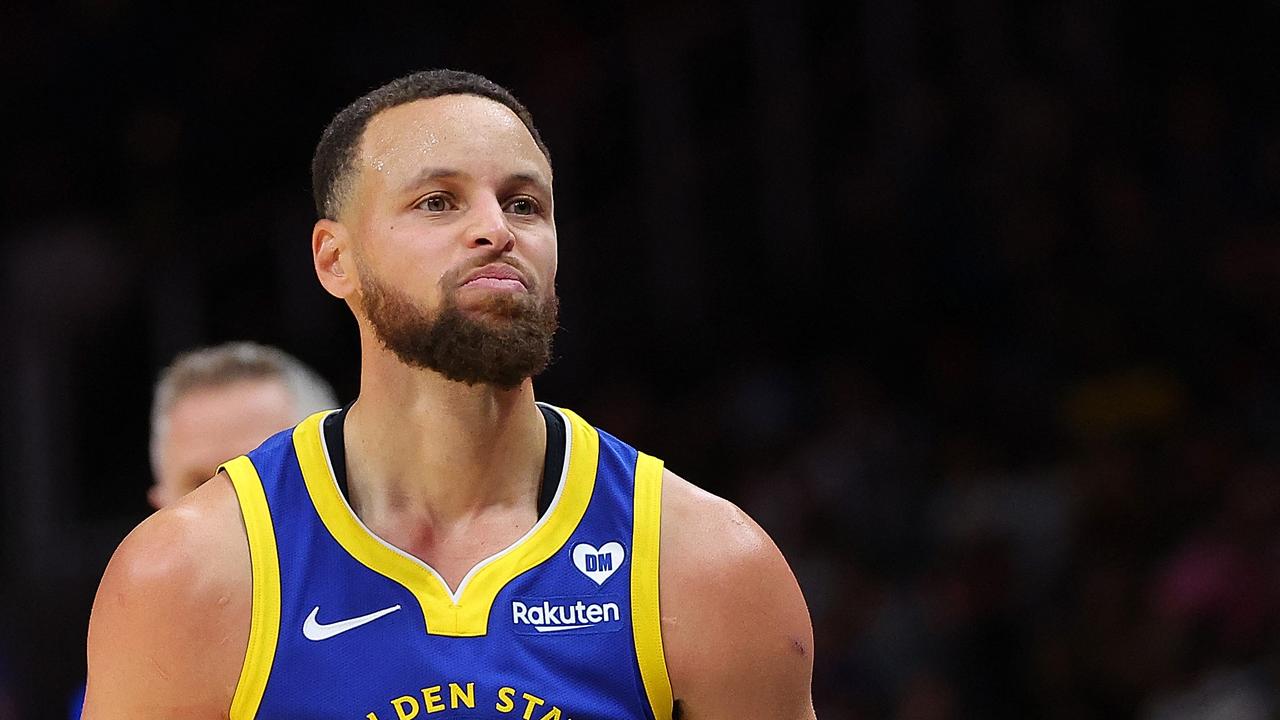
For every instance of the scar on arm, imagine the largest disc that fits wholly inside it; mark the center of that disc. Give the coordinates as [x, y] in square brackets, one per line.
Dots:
[163, 675]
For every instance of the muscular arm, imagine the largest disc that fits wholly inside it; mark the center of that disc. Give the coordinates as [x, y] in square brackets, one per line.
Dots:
[170, 622]
[736, 632]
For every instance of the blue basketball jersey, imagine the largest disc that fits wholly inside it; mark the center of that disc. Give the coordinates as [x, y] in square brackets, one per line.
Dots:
[562, 625]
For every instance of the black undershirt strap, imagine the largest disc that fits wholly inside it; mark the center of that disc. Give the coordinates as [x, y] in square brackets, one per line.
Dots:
[337, 447]
[554, 462]
[551, 468]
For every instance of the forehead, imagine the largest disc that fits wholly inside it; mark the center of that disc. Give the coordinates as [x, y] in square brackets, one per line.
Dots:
[464, 132]
[209, 425]
[211, 415]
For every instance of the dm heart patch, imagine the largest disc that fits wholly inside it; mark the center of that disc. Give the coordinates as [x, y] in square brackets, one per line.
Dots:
[598, 563]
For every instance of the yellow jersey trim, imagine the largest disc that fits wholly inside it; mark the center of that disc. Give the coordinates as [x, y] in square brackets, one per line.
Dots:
[264, 626]
[464, 613]
[646, 620]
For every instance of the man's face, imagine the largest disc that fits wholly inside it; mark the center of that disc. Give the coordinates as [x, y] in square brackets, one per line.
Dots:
[210, 425]
[454, 239]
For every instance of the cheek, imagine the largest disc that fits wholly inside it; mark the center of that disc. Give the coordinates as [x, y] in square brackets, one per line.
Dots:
[546, 255]
[411, 263]
[551, 275]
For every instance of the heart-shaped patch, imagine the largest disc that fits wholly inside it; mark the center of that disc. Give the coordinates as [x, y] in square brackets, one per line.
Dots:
[598, 563]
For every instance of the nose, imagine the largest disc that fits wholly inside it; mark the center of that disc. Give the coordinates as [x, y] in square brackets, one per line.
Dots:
[489, 228]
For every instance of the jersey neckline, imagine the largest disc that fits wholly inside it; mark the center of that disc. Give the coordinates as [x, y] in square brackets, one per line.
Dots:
[333, 426]
[464, 612]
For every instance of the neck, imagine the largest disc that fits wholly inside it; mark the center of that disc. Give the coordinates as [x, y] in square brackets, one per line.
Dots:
[422, 445]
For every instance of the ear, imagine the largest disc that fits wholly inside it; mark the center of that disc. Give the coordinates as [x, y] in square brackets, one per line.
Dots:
[156, 496]
[330, 248]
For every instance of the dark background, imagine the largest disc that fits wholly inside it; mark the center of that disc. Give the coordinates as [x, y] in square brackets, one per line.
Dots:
[972, 305]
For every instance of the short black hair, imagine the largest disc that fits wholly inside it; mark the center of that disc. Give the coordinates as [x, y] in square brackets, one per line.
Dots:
[335, 156]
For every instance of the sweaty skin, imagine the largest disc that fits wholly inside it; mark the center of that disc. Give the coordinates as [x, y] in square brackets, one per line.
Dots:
[170, 622]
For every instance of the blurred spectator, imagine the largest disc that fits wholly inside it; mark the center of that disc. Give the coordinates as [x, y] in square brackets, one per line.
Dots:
[218, 402]
[214, 403]
[1214, 605]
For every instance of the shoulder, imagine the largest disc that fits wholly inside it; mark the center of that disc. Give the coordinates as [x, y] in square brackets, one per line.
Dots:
[189, 537]
[694, 517]
[170, 621]
[736, 629]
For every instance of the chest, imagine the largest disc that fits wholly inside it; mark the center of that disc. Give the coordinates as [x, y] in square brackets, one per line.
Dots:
[560, 622]
[544, 628]
[552, 643]
[455, 550]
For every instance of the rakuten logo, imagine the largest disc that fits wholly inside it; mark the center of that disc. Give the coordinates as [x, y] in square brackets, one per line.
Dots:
[546, 616]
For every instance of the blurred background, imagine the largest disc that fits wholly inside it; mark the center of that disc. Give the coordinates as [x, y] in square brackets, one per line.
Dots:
[972, 305]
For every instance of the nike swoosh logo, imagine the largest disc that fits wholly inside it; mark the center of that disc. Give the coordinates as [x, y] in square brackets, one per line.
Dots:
[323, 631]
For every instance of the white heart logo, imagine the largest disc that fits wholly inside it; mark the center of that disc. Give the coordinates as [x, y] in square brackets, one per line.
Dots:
[598, 564]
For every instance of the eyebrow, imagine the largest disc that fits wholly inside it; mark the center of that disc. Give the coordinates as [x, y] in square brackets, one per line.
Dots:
[429, 174]
[435, 173]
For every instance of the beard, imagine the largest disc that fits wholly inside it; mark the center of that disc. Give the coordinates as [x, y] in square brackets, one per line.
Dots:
[504, 340]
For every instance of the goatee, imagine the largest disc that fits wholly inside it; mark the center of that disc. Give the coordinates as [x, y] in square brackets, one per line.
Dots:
[503, 341]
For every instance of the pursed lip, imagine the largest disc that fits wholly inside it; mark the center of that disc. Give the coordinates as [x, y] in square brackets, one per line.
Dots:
[496, 271]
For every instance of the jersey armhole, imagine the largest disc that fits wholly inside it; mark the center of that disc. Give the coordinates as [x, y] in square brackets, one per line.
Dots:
[264, 627]
[646, 620]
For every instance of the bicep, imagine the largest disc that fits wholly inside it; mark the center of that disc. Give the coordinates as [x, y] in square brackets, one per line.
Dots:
[134, 669]
[738, 636]
[753, 658]
[164, 634]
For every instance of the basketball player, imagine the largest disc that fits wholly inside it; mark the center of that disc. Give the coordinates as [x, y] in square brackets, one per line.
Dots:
[214, 403]
[445, 546]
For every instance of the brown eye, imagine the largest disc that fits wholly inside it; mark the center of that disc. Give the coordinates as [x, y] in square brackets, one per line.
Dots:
[522, 206]
[435, 203]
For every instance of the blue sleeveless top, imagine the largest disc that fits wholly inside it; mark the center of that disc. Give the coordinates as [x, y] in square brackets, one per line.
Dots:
[561, 625]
